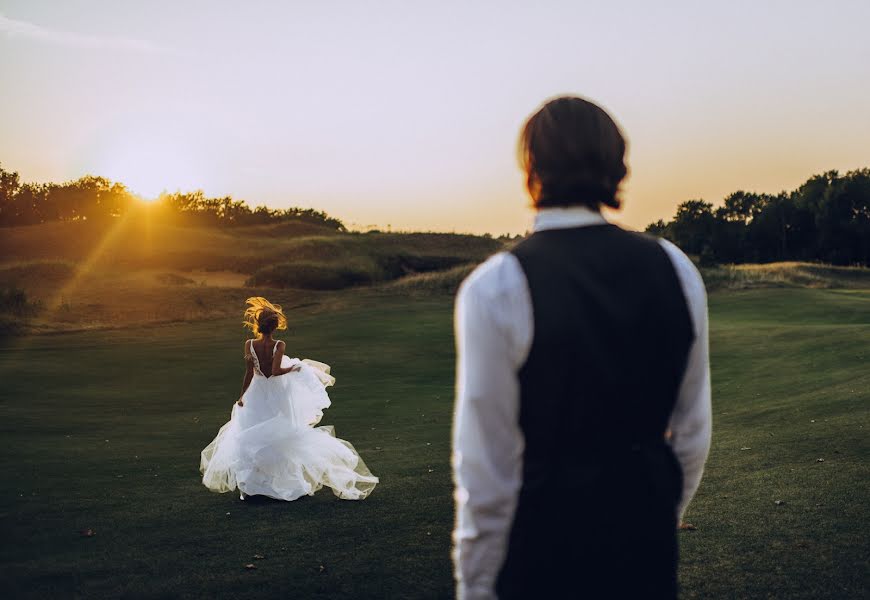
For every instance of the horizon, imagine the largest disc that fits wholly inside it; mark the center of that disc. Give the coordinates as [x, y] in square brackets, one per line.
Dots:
[712, 100]
[611, 214]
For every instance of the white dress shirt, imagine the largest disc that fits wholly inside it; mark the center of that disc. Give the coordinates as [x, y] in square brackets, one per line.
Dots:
[494, 329]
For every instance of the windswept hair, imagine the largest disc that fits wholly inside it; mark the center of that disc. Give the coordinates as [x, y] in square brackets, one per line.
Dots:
[263, 317]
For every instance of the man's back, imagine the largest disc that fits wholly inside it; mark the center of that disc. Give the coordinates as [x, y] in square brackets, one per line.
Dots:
[612, 334]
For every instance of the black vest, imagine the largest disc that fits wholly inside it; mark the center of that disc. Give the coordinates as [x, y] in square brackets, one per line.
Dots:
[612, 331]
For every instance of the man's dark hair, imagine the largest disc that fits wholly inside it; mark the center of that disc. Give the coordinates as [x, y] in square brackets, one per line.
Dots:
[573, 154]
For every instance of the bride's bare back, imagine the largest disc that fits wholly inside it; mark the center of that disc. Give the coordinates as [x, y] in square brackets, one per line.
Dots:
[269, 353]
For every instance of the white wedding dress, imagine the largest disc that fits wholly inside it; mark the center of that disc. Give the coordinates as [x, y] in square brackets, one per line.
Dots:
[271, 447]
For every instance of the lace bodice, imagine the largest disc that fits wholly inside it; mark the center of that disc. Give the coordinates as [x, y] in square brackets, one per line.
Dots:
[252, 356]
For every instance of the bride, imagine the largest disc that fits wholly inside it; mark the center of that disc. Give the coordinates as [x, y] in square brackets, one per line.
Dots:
[270, 446]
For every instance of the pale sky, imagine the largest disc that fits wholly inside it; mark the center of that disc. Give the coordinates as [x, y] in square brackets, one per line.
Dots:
[406, 113]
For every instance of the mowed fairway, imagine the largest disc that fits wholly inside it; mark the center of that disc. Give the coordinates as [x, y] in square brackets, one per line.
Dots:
[102, 431]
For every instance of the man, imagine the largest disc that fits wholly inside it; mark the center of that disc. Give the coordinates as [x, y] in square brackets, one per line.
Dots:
[583, 412]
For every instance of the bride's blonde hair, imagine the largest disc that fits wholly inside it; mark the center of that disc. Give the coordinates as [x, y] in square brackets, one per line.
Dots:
[263, 317]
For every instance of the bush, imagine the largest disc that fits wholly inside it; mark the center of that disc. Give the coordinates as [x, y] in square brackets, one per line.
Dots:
[15, 309]
[326, 265]
[14, 301]
[437, 282]
[48, 271]
[309, 276]
[173, 279]
[395, 266]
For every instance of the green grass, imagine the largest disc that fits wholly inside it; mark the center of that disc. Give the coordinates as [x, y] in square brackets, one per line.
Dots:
[791, 384]
[102, 430]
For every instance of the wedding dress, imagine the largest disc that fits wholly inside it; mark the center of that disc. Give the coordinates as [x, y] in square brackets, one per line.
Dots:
[271, 447]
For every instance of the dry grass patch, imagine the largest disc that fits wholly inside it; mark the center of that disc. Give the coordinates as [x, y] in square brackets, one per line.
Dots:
[786, 274]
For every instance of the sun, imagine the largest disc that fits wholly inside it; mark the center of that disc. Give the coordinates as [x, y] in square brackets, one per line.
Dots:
[149, 171]
[149, 161]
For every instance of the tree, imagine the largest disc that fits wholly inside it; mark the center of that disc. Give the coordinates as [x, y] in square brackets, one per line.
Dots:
[827, 218]
[842, 219]
[659, 229]
[769, 231]
[9, 185]
[741, 207]
[692, 227]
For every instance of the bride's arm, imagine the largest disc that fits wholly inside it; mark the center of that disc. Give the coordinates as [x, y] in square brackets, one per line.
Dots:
[277, 369]
[249, 375]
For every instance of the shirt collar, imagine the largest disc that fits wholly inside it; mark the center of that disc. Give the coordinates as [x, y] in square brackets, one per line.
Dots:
[564, 217]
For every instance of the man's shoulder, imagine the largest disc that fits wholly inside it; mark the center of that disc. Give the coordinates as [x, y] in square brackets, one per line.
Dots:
[686, 270]
[499, 274]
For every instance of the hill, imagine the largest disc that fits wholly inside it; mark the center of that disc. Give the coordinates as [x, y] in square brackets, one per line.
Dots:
[78, 275]
[82, 275]
[785, 274]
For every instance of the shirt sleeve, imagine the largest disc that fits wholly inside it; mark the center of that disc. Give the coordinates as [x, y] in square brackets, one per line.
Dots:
[493, 324]
[691, 421]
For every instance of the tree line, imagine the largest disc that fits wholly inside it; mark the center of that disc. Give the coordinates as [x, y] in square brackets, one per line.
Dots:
[826, 219]
[97, 199]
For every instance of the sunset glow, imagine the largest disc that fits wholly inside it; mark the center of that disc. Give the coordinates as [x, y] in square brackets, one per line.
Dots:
[406, 114]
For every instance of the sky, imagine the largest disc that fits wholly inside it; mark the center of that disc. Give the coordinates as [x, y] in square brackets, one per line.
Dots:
[405, 114]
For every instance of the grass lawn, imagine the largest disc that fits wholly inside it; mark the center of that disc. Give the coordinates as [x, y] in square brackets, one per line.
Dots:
[102, 431]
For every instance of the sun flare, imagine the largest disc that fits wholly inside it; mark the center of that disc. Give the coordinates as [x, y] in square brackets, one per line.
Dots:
[149, 171]
[149, 160]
